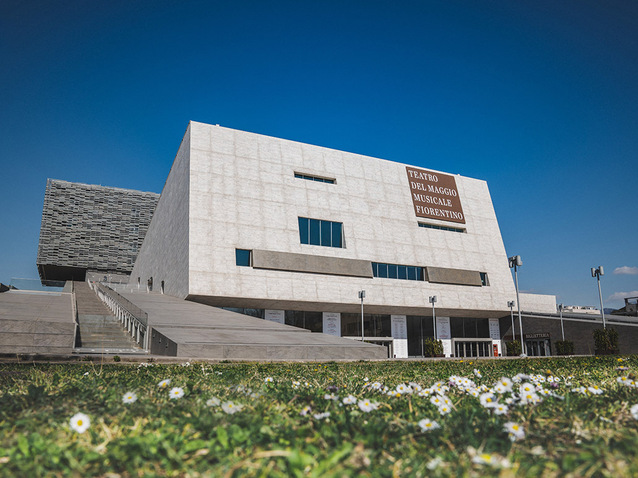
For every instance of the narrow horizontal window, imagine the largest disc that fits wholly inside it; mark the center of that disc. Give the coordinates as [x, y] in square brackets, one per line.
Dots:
[319, 232]
[441, 228]
[395, 271]
[318, 179]
[242, 257]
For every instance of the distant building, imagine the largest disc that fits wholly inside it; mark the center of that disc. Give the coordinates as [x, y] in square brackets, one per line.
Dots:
[91, 228]
[581, 309]
[630, 308]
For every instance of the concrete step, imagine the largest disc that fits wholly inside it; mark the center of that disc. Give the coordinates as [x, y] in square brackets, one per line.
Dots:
[109, 350]
[98, 329]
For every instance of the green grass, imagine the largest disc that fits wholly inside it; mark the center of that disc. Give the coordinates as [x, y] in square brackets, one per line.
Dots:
[571, 434]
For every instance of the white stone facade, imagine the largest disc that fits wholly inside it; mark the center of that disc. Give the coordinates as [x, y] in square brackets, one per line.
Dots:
[231, 190]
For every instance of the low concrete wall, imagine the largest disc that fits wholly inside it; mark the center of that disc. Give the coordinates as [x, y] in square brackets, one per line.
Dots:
[40, 323]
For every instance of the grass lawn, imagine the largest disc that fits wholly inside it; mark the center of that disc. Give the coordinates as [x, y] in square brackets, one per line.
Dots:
[529, 417]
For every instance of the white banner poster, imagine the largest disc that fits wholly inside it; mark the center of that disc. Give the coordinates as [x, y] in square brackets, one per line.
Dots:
[495, 329]
[399, 327]
[275, 316]
[332, 323]
[447, 347]
[443, 328]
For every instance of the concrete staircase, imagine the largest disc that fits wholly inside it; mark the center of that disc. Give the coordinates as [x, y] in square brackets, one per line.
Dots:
[99, 331]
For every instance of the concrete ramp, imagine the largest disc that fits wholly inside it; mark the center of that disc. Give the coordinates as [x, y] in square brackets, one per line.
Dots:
[36, 323]
[187, 329]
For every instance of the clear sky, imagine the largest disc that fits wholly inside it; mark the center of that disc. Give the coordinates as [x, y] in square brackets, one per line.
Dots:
[539, 98]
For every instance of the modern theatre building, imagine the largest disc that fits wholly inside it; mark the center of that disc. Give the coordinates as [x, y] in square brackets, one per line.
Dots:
[294, 233]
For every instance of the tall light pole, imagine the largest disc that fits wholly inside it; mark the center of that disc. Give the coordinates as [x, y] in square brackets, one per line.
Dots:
[510, 304]
[362, 295]
[562, 329]
[515, 262]
[597, 272]
[433, 301]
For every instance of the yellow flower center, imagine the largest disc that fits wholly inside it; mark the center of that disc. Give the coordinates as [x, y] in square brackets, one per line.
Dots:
[79, 423]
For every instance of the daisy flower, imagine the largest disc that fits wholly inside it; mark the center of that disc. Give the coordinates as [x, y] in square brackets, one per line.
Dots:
[491, 459]
[129, 397]
[530, 397]
[634, 411]
[426, 425]
[488, 400]
[367, 406]
[330, 396]
[403, 388]
[349, 400]
[176, 392]
[213, 402]
[230, 407]
[515, 431]
[504, 385]
[595, 390]
[164, 383]
[444, 409]
[80, 422]
[477, 373]
[268, 380]
[500, 409]
[305, 411]
[436, 400]
[321, 416]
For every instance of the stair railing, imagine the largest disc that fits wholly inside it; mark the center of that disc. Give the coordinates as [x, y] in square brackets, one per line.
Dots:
[134, 319]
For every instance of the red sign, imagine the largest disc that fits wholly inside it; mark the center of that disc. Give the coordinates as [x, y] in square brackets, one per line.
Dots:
[434, 195]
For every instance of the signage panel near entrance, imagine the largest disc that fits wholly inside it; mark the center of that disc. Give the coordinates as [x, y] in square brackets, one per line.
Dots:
[435, 195]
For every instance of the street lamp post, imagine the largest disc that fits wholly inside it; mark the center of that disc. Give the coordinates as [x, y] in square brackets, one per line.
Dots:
[362, 295]
[597, 272]
[433, 301]
[515, 262]
[510, 304]
[562, 329]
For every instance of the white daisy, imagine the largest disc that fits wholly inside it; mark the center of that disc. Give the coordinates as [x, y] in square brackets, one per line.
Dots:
[230, 407]
[367, 406]
[349, 400]
[176, 392]
[634, 411]
[426, 425]
[515, 431]
[268, 380]
[129, 397]
[164, 383]
[213, 402]
[488, 400]
[80, 422]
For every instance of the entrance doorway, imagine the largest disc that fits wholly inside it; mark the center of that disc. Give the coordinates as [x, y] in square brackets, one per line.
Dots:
[538, 347]
[472, 348]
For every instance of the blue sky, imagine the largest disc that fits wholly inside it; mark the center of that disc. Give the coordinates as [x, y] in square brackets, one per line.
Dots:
[538, 98]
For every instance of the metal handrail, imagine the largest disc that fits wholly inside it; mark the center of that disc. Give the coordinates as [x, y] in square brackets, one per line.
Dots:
[134, 319]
